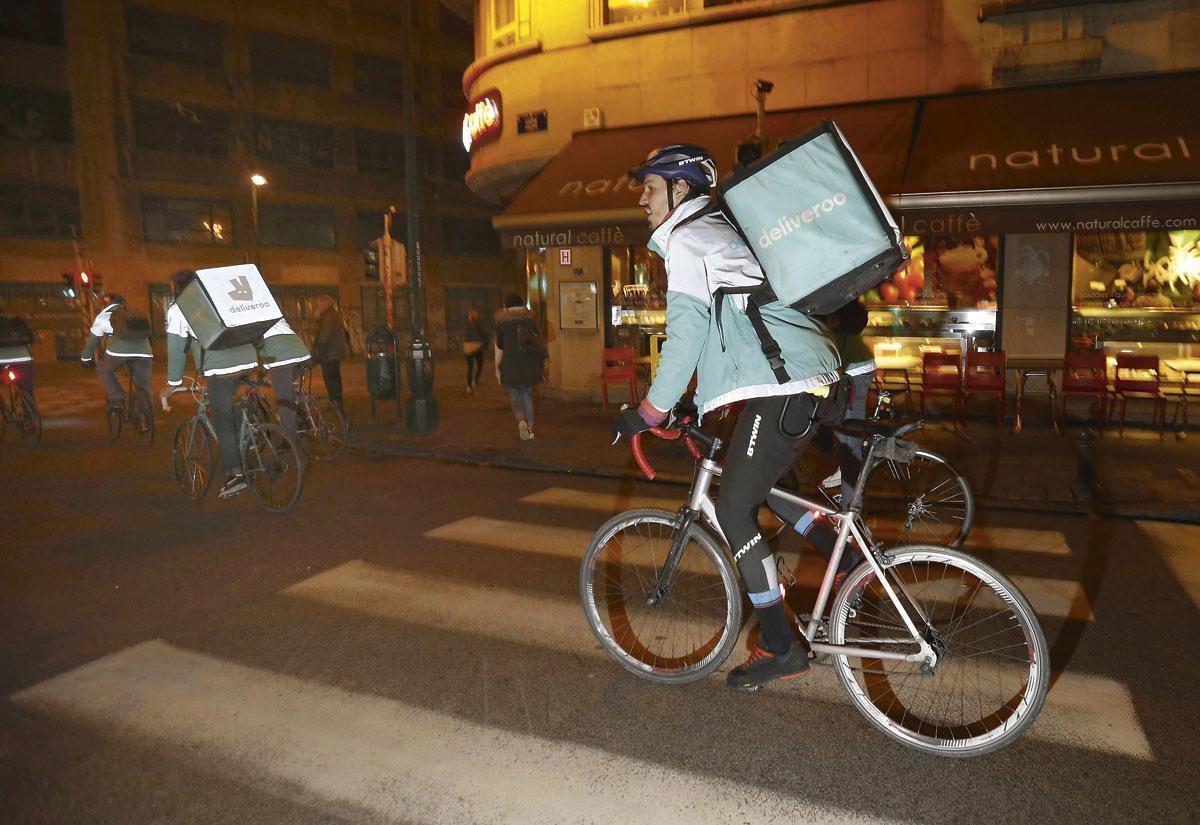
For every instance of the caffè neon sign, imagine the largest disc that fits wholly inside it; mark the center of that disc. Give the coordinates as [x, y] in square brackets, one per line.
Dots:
[482, 123]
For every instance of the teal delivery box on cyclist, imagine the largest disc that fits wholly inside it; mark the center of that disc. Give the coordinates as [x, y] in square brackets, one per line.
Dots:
[815, 222]
[228, 306]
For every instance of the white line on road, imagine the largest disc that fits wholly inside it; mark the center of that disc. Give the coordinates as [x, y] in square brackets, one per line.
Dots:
[1177, 544]
[390, 758]
[1082, 710]
[1061, 598]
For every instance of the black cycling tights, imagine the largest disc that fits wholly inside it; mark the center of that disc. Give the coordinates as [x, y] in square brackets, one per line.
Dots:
[758, 455]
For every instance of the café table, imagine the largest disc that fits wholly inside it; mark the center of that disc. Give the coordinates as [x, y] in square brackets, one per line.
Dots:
[1044, 367]
[1188, 367]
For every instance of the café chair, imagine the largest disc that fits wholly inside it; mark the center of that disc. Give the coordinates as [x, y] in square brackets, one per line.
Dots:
[1139, 377]
[985, 376]
[620, 369]
[941, 374]
[1085, 375]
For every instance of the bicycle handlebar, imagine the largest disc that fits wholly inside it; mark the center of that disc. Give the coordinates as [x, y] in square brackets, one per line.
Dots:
[635, 444]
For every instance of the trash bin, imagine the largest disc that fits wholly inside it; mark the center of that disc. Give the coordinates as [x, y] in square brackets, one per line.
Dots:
[383, 379]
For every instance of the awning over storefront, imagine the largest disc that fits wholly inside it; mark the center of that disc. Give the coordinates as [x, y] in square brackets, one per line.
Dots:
[1113, 155]
[584, 196]
[1077, 157]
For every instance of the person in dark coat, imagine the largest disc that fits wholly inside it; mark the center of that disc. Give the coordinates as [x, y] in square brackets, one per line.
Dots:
[329, 348]
[518, 368]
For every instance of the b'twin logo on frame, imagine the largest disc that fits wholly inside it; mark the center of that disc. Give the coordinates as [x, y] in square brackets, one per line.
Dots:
[788, 224]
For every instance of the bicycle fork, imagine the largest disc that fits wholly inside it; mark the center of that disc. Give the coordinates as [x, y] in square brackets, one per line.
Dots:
[684, 520]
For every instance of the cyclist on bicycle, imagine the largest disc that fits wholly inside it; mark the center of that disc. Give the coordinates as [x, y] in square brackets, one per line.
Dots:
[281, 351]
[710, 332]
[16, 338]
[127, 346]
[224, 369]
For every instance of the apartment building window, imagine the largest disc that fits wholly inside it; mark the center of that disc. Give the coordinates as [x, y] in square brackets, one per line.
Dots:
[40, 22]
[631, 11]
[508, 22]
[379, 77]
[34, 116]
[379, 151]
[176, 127]
[296, 225]
[289, 141]
[274, 57]
[468, 236]
[39, 212]
[174, 37]
[187, 221]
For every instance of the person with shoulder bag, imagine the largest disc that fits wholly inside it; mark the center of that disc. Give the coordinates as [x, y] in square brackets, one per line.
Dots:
[711, 330]
[128, 345]
[520, 360]
[474, 343]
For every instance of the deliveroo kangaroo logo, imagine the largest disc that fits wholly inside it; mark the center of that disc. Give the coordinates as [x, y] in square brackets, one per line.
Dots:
[241, 289]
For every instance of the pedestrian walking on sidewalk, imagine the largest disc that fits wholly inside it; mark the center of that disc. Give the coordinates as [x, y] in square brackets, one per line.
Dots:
[520, 360]
[330, 348]
[474, 342]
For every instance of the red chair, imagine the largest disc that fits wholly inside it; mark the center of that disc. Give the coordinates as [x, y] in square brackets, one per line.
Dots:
[1085, 375]
[620, 368]
[985, 376]
[941, 374]
[1138, 377]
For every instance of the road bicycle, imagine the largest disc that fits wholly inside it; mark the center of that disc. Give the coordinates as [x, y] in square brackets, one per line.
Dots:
[320, 425]
[273, 467]
[19, 411]
[137, 410]
[921, 500]
[935, 648]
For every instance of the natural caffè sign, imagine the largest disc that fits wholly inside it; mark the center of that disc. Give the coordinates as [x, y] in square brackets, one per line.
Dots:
[482, 121]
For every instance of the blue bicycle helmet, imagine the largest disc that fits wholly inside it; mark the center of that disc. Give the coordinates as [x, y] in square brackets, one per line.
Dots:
[680, 161]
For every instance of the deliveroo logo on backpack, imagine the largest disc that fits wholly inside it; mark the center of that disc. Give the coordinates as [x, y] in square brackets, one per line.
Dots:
[241, 289]
[787, 224]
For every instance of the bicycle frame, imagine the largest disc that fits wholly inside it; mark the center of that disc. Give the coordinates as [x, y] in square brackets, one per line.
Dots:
[700, 504]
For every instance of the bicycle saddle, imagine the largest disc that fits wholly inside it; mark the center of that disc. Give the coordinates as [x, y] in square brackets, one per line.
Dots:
[856, 426]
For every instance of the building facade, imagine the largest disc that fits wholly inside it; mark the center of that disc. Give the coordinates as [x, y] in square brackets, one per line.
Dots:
[131, 130]
[1038, 156]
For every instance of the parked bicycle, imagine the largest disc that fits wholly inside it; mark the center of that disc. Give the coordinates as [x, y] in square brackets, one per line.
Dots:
[320, 425]
[137, 410]
[19, 411]
[273, 466]
[935, 648]
[922, 500]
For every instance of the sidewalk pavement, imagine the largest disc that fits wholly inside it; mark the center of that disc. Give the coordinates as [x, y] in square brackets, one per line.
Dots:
[1080, 471]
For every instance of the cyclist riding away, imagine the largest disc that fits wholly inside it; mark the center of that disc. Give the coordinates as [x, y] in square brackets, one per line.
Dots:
[16, 337]
[224, 369]
[126, 347]
[710, 332]
[281, 351]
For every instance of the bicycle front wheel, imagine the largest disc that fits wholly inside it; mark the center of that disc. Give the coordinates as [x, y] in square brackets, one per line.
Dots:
[324, 429]
[141, 418]
[925, 501]
[689, 632]
[29, 420]
[115, 418]
[992, 670]
[273, 466]
[193, 458]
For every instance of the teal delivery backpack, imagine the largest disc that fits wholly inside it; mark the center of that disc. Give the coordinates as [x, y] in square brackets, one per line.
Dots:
[815, 222]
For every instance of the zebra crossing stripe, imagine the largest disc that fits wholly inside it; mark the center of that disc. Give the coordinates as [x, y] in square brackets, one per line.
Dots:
[388, 758]
[1176, 544]
[1061, 598]
[599, 502]
[1082, 710]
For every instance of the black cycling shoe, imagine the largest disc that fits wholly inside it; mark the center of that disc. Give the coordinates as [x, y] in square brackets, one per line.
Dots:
[235, 484]
[764, 666]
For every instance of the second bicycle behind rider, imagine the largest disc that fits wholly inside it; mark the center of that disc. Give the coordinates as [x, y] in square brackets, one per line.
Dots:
[703, 253]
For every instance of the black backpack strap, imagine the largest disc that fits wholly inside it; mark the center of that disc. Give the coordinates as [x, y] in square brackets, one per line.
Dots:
[756, 296]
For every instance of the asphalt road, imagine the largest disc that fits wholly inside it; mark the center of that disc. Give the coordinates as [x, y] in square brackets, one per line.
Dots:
[406, 646]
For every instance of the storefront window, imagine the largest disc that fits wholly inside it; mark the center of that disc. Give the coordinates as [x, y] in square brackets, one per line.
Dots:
[638, 286]
[1145, 270]
[944, 271]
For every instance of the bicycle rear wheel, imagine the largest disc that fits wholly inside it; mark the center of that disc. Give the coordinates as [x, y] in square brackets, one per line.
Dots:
[273, 466]
[115, 418]
[141, 417]
[28, 419]
[193, 458]
[925, 501]
[689, 633]
[323, 428]
[993, 667]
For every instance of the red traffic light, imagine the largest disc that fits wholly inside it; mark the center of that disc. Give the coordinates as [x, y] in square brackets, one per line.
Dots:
[84, 278]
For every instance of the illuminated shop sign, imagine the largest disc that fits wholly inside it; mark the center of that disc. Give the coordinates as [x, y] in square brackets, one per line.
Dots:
[482, 123]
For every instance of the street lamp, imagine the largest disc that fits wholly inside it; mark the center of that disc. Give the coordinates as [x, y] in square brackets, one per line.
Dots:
[256, 181]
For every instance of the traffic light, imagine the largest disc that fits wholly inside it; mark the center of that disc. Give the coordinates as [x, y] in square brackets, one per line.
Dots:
[371, 259]
[85, 281]
[98, 282]
[748, 151]
[68, 287]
